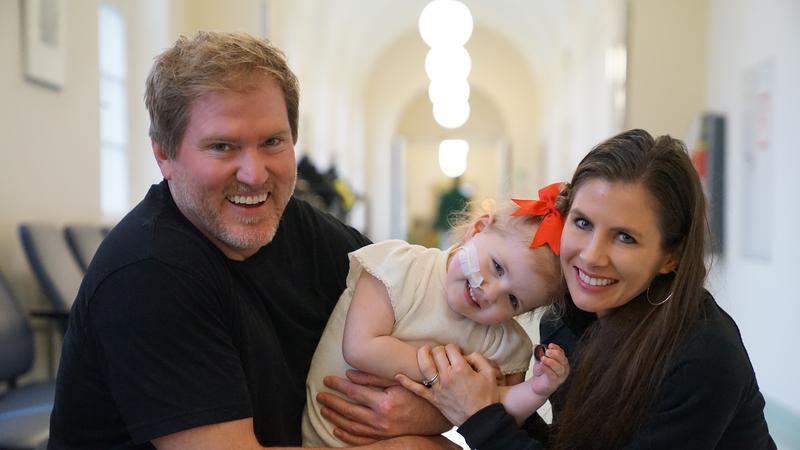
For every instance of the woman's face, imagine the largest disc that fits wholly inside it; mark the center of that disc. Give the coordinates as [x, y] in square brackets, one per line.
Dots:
[611, 245]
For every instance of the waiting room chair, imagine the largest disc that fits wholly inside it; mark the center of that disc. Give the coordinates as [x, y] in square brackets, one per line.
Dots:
[83, 240]
[24, 410]
[53, 263]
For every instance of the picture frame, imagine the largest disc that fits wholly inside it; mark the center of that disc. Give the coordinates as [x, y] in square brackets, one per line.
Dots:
[43, 41]
[708, 157]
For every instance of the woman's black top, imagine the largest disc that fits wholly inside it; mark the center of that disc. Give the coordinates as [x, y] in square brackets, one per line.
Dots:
[709, 398]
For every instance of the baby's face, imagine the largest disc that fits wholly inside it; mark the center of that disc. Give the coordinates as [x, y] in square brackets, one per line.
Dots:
[514, 278]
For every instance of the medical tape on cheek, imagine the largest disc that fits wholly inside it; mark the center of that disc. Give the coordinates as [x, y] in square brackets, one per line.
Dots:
[468, 257]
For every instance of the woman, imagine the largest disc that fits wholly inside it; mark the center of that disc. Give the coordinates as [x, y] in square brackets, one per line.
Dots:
[655, 362]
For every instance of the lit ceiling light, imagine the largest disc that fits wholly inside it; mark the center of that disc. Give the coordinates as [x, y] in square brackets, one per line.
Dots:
[453, 157]
[445, 22]
[450, 63]
[451, 114]
[443, 90]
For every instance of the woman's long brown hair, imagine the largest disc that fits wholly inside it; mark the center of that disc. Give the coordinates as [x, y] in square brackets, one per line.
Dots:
[623, 357]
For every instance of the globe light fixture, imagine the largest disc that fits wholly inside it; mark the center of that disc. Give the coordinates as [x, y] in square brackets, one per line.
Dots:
[451, 114]
[445, 23]
[443, 90]
[453, 157]
[448, 63]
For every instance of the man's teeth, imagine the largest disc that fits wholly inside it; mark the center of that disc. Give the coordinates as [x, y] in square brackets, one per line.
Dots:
[595, 281]
[248, 199]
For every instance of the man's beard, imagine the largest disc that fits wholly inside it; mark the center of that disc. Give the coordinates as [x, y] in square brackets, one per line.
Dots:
[251, 232]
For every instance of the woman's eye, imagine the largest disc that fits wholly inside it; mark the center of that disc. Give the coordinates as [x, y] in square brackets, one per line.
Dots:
[581, 223]
[626, 238]
[514, 301]
[498, 268]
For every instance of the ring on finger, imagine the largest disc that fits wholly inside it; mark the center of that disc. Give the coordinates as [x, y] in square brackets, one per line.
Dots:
[429, 382]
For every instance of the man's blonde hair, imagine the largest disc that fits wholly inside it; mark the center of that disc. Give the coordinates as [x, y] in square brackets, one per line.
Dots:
[206, 62]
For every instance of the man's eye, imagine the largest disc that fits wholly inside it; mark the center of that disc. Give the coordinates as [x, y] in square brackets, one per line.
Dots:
[514, 301]
[273, 141]
[498, 268]
[220, 147]
[626, 238]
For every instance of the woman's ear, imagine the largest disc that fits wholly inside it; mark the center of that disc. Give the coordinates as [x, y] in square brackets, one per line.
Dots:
[479, 225]
[670, 263]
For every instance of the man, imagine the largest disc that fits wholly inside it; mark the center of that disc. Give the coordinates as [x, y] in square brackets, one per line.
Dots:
[197, 319]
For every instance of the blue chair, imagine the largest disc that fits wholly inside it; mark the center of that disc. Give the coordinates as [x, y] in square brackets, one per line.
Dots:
[53, 263]
[24, 410]
[83, 240]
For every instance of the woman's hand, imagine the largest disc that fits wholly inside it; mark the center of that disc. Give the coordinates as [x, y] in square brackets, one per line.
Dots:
[464, 384]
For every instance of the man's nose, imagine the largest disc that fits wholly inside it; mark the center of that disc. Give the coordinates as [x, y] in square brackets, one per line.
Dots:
[252, 169]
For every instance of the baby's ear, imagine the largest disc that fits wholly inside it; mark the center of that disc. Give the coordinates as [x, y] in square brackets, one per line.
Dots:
[479, 225]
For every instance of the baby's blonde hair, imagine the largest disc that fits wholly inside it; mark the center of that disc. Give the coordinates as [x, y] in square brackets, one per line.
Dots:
[521, 228]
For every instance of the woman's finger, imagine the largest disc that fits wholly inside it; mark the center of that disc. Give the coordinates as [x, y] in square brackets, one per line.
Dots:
[440, 359]
[454, 355]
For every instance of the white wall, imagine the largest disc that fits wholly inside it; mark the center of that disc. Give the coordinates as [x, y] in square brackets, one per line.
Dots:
[761, 294]
[667, 65]
[49, 165]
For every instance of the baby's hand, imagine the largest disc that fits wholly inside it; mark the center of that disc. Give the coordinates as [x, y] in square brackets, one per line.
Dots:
[550, 371]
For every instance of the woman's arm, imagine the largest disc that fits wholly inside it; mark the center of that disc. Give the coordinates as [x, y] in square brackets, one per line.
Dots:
[368, 344]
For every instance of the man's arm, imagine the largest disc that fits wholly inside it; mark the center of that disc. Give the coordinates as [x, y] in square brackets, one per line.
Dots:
[238, 435]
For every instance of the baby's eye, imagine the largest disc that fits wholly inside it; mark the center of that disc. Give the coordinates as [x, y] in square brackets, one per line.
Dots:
[514, 301]
[498, 268]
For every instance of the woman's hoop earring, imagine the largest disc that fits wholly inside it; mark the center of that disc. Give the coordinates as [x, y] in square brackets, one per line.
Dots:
[659, 303]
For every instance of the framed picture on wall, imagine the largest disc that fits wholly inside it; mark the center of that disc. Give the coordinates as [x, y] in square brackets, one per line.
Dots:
[708, 156]
[43, 47]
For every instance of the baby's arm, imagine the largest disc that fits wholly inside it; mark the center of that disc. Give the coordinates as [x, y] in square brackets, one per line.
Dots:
[522, 400]
[368, 344]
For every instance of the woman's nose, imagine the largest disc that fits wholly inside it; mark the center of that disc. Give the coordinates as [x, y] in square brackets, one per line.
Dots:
[594, 252]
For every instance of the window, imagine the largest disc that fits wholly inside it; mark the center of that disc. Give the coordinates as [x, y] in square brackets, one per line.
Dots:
[113, 112]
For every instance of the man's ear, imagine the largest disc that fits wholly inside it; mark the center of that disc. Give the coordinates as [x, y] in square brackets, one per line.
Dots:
[164, 163]
[479, 225]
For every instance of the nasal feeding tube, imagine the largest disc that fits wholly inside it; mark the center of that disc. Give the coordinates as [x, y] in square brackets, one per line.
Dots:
[468, 257]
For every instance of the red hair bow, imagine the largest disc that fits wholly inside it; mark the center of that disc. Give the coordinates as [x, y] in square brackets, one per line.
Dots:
[552, 224]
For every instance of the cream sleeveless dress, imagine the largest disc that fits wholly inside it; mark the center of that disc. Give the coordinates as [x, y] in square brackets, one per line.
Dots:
[414, 277]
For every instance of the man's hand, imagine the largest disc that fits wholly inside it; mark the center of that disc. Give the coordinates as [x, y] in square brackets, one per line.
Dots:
[375, 408]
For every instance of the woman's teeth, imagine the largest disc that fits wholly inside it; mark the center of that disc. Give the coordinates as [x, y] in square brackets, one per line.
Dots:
[595, 281]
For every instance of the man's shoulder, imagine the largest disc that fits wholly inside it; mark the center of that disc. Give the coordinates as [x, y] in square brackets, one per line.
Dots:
[153, 231]
[304, 223]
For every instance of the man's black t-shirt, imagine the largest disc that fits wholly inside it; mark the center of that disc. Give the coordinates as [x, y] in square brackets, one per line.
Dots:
[168, 334]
